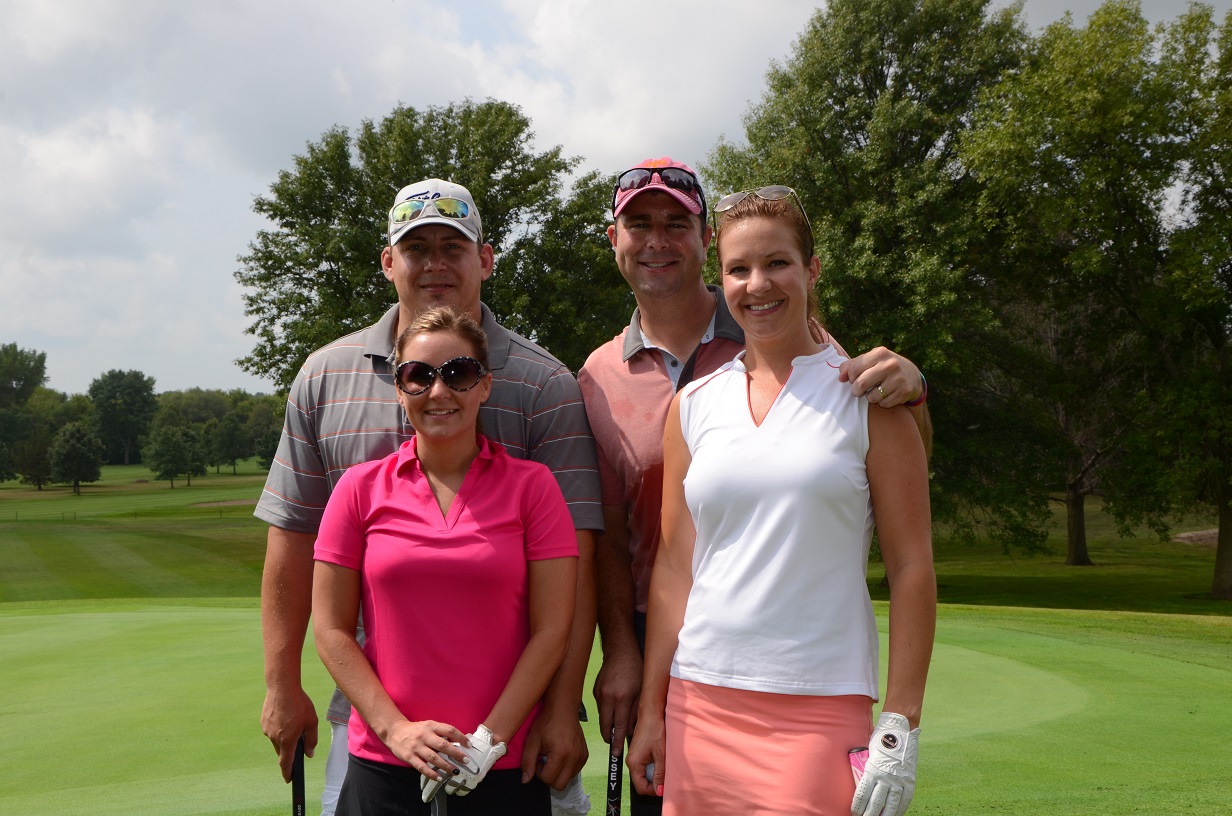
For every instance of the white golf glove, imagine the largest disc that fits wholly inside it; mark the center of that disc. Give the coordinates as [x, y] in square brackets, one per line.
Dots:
[889, 776]
[480, 757]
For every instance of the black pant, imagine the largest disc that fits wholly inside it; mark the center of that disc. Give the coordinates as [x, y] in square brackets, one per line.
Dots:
[378, 789]
[640, 805]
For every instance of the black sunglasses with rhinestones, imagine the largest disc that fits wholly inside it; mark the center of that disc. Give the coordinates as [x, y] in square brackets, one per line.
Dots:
[461, 374]
[675, 177]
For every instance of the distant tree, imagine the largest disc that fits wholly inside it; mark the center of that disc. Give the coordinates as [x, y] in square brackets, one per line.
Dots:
[22, 374]
[209, 433]
[194, 406]
[32, 459]
[229, 441]
[8, 470]
[315, 274]
[17, 424]
[264, 427]
[125, 405]
[55, 409]
[198, 455]
[76, 456]
[173, 450]
[21, 371]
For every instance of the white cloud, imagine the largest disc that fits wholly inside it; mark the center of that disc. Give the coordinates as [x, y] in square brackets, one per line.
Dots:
[134, 134]
[83, 184]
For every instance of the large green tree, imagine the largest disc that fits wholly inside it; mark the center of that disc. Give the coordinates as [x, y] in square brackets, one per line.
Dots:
[124, 404]
[314, 274]
[1077, 156]
[864, 120]
[559, 284]
[76, 456]
[1179, 453]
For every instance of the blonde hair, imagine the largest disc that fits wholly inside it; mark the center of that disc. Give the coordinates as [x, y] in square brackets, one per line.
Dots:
[444, 319]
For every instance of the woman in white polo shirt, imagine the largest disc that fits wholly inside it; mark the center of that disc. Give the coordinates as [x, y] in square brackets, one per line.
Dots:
[759, 609]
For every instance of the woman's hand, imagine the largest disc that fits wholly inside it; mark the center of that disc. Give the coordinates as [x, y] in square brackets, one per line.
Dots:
[649, 747]
[426, 746]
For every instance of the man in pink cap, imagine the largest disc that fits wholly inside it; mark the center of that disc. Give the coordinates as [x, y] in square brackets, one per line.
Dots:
[680, 330]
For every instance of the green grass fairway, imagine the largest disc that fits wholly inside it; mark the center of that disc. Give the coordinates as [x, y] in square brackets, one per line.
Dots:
[147, 709]
[130, 665]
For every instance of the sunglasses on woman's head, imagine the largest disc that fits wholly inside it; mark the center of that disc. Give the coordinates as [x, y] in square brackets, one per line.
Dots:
[673, 177]
[460, 374]
[773, 192]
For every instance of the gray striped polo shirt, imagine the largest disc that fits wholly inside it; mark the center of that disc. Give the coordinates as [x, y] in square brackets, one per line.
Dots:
[342, 411]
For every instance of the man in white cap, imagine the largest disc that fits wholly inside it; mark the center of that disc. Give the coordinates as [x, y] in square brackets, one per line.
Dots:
[681, 329]
[342, 410]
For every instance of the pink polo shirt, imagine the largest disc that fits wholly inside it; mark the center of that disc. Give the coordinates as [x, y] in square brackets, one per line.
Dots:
[445, 600]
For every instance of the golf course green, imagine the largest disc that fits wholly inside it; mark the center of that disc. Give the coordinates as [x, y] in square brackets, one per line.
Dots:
[130, 665]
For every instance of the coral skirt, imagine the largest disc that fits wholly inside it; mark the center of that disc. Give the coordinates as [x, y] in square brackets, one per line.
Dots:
[737, 752]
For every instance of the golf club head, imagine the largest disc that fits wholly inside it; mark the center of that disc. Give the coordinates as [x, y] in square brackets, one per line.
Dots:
[297, 781]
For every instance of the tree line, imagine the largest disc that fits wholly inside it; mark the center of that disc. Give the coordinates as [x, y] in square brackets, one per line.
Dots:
[1042, 220]
[49, 437]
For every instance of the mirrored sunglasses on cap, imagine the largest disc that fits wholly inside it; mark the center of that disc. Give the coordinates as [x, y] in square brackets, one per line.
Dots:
[772, 192]
[676, 178]
[460, 374]
[415, 207]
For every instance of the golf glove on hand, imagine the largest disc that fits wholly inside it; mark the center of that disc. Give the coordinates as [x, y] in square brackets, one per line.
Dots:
[480, 757]
[889, 777]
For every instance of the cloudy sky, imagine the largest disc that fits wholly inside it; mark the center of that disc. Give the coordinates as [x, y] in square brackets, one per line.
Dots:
[134, 135]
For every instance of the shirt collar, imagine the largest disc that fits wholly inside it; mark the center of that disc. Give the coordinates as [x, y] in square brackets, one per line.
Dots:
[722, 324]
[379, 339]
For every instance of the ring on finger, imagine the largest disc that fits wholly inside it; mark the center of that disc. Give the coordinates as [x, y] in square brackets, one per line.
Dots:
[881, 391]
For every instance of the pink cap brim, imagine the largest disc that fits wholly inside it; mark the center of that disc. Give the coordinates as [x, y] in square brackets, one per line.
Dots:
[687, 201]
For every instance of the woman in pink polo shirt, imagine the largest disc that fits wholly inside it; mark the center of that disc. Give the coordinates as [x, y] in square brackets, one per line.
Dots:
[463, 561]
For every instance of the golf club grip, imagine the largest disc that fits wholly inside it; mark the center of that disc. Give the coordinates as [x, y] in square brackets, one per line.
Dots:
[615, 777]
[297, 781]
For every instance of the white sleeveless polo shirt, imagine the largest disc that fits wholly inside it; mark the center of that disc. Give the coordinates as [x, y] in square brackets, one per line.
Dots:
[784, 522]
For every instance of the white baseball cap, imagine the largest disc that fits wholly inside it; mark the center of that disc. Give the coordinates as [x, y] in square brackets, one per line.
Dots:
[434, 202]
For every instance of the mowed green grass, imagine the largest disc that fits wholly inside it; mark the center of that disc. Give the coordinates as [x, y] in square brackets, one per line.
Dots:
[131, 668]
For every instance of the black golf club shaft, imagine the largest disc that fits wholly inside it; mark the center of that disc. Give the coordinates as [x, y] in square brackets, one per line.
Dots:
[615, 776]
[297, 781]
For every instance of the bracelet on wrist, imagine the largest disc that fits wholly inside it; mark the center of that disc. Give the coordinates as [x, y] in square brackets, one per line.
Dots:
[923, 394]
